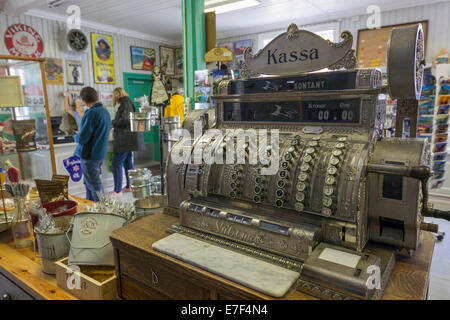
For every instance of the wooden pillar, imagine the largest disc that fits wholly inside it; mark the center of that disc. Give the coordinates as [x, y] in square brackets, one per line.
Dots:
[194, 43]
[210, 30]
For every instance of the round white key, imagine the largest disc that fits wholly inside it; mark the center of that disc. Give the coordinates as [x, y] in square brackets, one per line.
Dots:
[327, 202]
[330, 180]
[300, 197]
[328, 191]
[334, 161]
[337, 153]
[327, 212]
[332, 170]
[299, 207]
[302, 177]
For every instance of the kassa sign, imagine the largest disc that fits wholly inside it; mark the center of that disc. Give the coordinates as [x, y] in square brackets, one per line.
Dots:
[22, 40]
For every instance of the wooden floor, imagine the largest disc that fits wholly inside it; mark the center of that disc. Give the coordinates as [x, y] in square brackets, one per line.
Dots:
[440, 266]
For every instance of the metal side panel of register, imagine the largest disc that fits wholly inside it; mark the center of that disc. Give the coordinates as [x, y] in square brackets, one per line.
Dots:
[357, 275]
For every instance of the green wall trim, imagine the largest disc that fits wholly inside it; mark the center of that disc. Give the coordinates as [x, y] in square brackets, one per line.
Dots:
[141, 76]
[194, 43]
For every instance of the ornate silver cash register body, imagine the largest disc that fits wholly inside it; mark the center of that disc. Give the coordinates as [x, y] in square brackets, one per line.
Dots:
[334, 198]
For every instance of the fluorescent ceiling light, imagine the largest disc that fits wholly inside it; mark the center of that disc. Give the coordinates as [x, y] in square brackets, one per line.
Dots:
[222, 6]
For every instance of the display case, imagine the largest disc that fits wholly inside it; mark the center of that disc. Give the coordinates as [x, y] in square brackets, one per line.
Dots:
[26, 139]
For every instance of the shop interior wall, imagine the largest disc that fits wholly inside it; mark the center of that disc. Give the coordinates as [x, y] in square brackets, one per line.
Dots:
[438, 37]
[437, 15]
[49, 30]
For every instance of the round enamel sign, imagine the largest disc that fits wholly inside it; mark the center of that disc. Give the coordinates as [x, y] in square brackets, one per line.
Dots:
[22, 40]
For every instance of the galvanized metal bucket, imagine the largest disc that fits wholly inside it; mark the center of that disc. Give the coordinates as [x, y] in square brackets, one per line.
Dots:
[90, 243]
[140, 182]
[171, 123]
[140, 121]
[52, 247]
[150, 205]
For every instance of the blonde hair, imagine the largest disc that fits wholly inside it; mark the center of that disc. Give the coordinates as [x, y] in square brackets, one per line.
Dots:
[118, 95]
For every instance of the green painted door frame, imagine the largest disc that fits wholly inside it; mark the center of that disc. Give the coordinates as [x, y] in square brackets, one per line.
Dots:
[137, 91]
[194, 43]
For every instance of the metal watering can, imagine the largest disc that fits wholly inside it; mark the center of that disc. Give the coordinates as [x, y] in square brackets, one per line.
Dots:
[90, 243]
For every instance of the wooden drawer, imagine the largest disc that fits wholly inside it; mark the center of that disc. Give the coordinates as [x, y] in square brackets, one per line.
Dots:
[133, 290]
[156, 276]
[10, 291]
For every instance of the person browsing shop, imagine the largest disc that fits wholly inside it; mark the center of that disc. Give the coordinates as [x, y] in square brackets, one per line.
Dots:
[76, 113]
[93, 141]
[125, 141]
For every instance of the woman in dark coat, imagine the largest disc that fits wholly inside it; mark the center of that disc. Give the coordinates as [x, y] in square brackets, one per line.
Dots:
[125, 141]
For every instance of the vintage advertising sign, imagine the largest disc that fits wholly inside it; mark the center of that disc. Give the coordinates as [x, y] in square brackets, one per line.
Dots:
[103, 58]
[142, 58]
[22, 40]
[54, 71]
[73, 167]
[11, 94]
[74, 70]
[167, 60]
[299, 51]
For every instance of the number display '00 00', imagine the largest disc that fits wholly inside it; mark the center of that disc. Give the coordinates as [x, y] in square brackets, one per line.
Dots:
[331, 111]
[345, 115]
[324, 115]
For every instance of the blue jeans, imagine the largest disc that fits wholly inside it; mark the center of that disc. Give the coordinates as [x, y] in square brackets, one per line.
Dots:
[121, 161]
[92, 170]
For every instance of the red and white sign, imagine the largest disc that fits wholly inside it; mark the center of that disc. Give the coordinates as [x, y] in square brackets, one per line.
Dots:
[22, 40]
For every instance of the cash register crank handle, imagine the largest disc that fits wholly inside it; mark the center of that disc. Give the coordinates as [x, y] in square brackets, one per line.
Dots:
[422, 173]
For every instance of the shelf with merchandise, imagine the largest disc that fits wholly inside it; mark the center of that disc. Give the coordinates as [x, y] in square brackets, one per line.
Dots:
[439, 140]
[26, 138]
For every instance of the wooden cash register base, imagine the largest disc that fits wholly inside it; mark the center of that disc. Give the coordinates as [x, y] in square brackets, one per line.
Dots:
[146, 274]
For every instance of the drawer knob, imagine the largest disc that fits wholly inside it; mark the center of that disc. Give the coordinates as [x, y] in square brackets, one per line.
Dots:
[6, 296]
[155, 279]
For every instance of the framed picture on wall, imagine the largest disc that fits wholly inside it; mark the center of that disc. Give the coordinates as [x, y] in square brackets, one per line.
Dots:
[169, 86]
[372, 44]
[54, 71]
[103, 58]
[74, 69]
[240, 46]
[142, 58]
[167, 60]
[179, 61]
[229, 46]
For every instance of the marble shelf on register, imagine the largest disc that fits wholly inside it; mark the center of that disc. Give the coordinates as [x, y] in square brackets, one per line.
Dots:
[250, 272]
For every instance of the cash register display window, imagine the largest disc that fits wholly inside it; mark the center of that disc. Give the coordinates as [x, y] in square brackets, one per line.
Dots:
[287, 111]
[346, 111]
[332, 111]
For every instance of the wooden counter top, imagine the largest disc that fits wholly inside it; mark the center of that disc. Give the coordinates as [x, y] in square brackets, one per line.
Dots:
[409, 279]
[22, 268]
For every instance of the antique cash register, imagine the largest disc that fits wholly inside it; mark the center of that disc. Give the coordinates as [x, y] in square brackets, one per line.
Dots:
[327, 196]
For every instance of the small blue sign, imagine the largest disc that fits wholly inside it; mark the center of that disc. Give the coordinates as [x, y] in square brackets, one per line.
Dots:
[73, 167]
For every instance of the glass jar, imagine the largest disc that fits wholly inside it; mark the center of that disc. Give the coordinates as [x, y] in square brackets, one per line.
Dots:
[22, 227]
